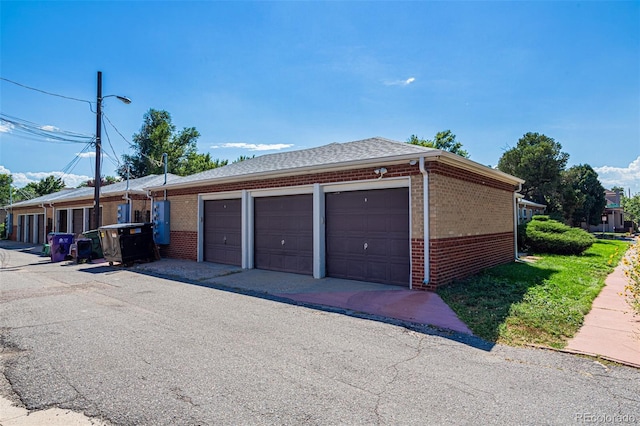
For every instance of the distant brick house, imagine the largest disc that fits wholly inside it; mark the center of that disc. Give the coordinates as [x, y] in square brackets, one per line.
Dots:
[613, 214]
[71, 210]
[371, 210]
[527, 209]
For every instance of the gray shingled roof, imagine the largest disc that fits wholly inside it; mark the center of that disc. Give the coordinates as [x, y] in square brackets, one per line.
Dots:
[323, 156]
[135, 186]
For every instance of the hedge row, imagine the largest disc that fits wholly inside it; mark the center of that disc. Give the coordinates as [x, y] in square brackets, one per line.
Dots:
[543, 235]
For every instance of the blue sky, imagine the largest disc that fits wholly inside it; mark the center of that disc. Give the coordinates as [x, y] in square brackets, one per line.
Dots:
[258, 77]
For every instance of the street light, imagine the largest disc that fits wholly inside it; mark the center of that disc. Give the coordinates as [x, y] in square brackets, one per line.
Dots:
[96, 191]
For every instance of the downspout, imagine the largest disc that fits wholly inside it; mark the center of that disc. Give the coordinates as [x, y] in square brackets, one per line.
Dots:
[165, 158]
[425, 214]
[127, 198]
[150, 197]
[53, 218]
[515, 221]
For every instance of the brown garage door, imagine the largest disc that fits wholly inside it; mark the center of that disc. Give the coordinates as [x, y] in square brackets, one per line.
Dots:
[368, 235]
[62, 221]
[29, 236]
[283, 233]
[41, 230]
[76, 223]
[222, 231]
[21, 231]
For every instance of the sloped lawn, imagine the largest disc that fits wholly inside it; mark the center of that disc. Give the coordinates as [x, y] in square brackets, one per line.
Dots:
[542, 303]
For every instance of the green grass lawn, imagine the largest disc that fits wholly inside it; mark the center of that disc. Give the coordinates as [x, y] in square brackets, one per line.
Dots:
[541, 303]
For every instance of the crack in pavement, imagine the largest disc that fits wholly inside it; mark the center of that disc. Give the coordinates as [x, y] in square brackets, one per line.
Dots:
[419, 348]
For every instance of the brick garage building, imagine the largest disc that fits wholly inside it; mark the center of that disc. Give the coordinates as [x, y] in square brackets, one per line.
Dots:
[71, 210]
[352, 210]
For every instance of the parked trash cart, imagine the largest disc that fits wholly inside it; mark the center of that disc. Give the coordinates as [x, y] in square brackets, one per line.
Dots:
[84, 250]
[96, 248]
[59, 245]
[127, 242]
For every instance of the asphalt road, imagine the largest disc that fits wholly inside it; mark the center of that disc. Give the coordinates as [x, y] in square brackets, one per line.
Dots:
[134, 349]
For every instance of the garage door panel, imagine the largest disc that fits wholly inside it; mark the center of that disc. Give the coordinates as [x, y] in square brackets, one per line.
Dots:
[41, 230]
[368, 235]
[77, 220]
[283, 233]
[29, 237]
[222, 231]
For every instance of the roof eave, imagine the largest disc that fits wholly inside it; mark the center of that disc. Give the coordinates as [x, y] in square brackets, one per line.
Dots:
[397, 159]
[470, 165]
[435, 154]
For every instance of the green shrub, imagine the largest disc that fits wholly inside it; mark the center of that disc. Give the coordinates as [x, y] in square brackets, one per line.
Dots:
[522, 233]
[540, 217]
[549, 236]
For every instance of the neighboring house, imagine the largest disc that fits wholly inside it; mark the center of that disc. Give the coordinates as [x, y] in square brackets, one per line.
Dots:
[527, 209]
[71, 210]
[613, 212]
[371, 210]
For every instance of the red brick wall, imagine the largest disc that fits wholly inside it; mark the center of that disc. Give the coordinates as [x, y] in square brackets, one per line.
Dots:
[453, 258]
[184, 245]
[417, 263]
[467, 176]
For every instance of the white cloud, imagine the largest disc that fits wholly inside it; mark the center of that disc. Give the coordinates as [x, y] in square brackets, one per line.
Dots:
[400, 82]
[627, 177]
[91, 154]
[49, 128]
[253, 146]
[22, 179]
[6, 127]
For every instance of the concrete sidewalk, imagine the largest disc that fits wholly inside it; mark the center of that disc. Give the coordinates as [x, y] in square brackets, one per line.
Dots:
[610, 329]
[12, 415]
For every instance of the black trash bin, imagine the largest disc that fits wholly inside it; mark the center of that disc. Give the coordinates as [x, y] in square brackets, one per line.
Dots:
[84, 250]
[127, 242]
[96, 249]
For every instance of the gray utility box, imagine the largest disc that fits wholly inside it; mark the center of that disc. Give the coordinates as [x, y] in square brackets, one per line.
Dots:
[127, 242]
[123, 213]
[160, 217]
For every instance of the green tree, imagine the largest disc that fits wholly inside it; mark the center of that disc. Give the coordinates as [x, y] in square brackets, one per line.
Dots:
[444, 140]
[631, 208]
[45, 186]
[107, 180]
[539, 160]
[196, 163]
[243, 157]
[582, 195]
[5, 186]
[158, 135]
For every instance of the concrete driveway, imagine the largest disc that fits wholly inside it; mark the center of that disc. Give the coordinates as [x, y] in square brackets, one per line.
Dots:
[385, 302]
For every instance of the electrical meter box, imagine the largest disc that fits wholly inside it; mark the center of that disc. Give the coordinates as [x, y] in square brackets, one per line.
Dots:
[160, 217]
[123, 213]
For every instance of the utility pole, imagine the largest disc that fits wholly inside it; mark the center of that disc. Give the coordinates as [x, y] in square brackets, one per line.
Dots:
[96, 189]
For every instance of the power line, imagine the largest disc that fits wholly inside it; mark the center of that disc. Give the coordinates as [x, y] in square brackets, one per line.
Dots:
[155, 162]
[113, 150]
[45, 92]
[71, 165]
[49, 133]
